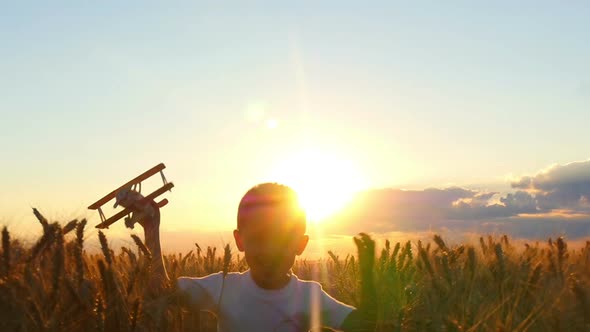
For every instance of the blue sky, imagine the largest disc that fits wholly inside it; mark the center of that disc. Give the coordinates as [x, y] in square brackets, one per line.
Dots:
[426, 94]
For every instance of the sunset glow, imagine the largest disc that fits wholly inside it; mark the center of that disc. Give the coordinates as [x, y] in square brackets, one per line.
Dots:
[409, 105]
[324, 182]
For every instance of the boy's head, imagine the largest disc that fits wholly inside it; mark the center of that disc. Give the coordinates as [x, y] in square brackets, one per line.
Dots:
[271, 230]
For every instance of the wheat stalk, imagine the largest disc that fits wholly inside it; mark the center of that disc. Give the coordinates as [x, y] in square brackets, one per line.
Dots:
[99, 314]
[134, 314]
[70, 226]
[41, 219]
[78, 260]
[104, 246]
[6, 251]
[141, 246]
[226, 259]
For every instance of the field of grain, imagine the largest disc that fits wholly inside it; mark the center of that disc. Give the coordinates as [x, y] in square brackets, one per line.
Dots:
[55, 285]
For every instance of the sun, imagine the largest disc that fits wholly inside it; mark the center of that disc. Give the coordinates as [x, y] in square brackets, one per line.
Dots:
[324, 182]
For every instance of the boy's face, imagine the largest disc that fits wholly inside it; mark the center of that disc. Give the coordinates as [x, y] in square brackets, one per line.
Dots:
[270, 242]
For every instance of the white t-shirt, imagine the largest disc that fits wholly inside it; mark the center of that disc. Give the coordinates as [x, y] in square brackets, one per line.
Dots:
[240, 305]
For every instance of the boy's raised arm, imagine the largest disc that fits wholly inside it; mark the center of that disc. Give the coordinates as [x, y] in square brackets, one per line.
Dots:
[151, 228]
[365, 317]
[159, 277]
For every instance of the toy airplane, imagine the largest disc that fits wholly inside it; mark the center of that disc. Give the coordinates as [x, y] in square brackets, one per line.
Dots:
[129, 195]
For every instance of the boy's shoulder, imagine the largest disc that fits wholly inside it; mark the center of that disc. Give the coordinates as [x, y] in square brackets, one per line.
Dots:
[210, 279]
[206, 290]
[306, 284]
[241, 281]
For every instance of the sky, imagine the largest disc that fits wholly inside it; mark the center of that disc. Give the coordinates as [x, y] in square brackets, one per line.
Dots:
[381, 95]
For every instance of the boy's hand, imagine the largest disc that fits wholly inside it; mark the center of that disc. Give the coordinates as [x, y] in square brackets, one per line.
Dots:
[145, 211]
[366, 253]
[149, 219]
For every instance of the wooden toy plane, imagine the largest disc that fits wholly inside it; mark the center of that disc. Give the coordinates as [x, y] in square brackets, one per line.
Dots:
[131, 187]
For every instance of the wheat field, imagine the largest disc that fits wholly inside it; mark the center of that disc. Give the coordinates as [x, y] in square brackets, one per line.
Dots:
[493, 285]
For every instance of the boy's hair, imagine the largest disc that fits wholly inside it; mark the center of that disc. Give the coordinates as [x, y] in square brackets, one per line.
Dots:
[272, 194]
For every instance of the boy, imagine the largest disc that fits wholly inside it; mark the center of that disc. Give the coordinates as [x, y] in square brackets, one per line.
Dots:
[269, 297]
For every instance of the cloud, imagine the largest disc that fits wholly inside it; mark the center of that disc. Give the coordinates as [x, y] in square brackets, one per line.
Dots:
[541, 227]
[554, 201]
[381, 207]
[560, 187]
